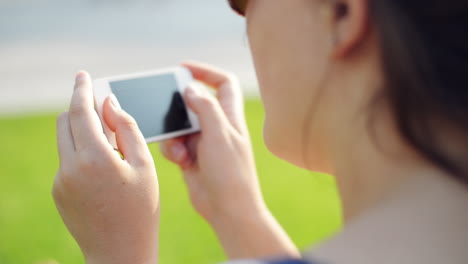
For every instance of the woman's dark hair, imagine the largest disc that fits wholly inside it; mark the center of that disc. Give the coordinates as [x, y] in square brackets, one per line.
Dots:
[424, 46]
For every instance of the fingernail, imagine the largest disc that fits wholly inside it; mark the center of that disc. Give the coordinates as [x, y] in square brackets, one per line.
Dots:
[178, 151]
[80, 76]
[114, 102]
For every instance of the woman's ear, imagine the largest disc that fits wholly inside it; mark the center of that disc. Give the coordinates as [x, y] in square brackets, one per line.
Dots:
[349, 24]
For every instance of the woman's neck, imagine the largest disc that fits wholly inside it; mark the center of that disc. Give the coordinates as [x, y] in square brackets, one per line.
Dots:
[371, 161]
[423, 220]
[392, 197]
[369, 169]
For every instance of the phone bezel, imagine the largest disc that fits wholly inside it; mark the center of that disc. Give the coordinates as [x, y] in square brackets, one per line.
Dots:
[183, 77]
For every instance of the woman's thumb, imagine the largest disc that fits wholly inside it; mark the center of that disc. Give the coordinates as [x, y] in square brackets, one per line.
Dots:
[130, 140]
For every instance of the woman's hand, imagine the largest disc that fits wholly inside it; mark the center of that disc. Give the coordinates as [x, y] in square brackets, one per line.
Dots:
[219, 170]
[109, 203]
[217, 163]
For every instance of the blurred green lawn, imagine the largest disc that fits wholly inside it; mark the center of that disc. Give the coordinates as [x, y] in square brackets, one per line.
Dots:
[31, 230]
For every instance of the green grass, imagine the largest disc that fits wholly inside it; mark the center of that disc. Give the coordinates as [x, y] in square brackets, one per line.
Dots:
[31, 230]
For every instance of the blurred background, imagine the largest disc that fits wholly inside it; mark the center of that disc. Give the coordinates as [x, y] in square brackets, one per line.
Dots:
[43, 43]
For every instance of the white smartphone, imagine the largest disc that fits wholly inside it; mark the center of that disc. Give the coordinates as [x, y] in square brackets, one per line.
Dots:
[154, 99]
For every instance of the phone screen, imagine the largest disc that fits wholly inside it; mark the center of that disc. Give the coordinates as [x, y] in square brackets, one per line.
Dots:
[155, 102]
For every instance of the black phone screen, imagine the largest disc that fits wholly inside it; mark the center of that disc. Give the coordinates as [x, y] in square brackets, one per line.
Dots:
[155, 102]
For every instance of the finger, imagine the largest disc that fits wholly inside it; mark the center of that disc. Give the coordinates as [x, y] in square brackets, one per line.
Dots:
[66, 147]
[84, 121]
[208, 110]
[192, 144]
[130, 140]
[232, 104]
[208, 74]
[175, 150]
[227, 88]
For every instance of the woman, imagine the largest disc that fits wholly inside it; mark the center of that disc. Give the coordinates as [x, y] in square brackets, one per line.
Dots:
[373, 92]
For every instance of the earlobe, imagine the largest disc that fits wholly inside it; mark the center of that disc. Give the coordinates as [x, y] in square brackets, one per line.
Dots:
[350, 25]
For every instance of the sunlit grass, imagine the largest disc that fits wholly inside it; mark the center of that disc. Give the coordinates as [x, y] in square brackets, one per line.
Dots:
[31, 230]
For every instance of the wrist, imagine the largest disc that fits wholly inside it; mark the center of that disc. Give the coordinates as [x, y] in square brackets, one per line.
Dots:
[236, 212]
[138, 252]
[118, 258]
[239, 216]
[255, 234]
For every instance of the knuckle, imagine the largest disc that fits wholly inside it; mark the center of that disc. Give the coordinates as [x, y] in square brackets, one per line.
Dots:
[131, 125]
[243, 140]
[231, 77]
[56, 187]
[76, 109]
[220, 135]
[167, 150]
[88, 160]
[67, 184]
[164, 147]
[65, 181]
[64, 171]
[146, 163]
[208, 102]
[92, 160]
[129, 122]
[62, 117]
